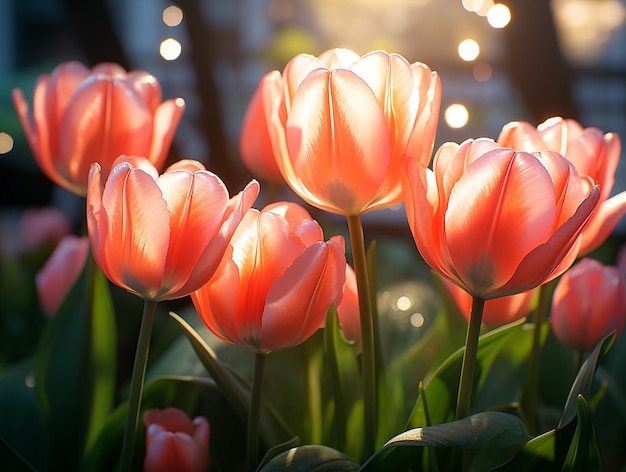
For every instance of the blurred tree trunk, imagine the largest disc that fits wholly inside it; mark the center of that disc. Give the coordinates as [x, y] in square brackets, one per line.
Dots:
[91, 23]
[203, 58]
[535, 61]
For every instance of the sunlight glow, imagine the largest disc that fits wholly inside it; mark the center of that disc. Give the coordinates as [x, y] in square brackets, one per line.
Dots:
[172, 16]
[456, 115]
[170, 49]
[499, 15]
[468, 50]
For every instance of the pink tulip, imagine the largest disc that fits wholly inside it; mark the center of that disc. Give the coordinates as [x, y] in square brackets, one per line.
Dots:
[592, 152]
[276, 282]
[161, 236]
[496, 221]
[41, 226]
[588, 303]
[83, 115]
[254, 141]
[496, 312]
[340, 125]
[60, 272]
[175, 443]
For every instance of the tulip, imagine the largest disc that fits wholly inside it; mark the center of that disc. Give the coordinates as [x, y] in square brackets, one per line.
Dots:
[41, 226]
[592, 152]
[60, 272]
[276, 282]
[174, 442]
[498, 311]
[340, 124]
[497, 221]
[83, 115]
[272, 290]
[254, 142]
[161, 237]
[589, 302]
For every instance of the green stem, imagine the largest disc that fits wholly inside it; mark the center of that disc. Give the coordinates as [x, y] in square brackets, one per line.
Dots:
[313, 396]
[368, 354]
[136, 383]
[254, 419]
[466, 384]
[578, 361]
[531, 394]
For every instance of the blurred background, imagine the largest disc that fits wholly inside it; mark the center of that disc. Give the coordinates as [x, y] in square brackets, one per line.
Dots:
[514, 60]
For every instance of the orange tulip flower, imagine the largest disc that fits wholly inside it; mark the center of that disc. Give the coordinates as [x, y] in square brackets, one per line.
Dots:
[498, 311]
[276, 282]
[588, 303]
[497, 221]
[161, 236]
[592, 152]
[174, 442]
[83, 115]
[255, 144]
[340, 124]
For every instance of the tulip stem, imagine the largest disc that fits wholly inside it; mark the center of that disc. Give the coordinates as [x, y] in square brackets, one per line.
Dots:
[466, 385]
[368, 354]
[136, 384]
[254, 418]
[531, 394]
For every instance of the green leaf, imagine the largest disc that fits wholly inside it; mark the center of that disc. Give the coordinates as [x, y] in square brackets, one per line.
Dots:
[19, 401]
[273, 430]
[441, 389]
[75, 370]
[584, 379]
[494, 430]
[11, 460]
[344, 385]
[583, 454]
[311, 458]
[553, 449]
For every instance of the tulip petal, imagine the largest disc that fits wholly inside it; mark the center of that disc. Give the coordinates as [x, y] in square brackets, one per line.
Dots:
[545, 262]
[602, 222]
[166, 119]
[137, 230]
[336, 125]
[315, 278]
[212, 254]
[497, 195]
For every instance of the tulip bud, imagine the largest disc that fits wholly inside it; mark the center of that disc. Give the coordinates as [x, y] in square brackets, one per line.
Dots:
[175, 443]
[588, 303]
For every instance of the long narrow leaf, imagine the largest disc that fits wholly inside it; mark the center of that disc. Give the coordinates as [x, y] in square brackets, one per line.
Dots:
[75, 373]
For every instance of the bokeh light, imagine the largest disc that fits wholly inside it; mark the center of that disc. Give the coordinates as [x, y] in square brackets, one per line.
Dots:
[172, 16]
[456, 115]
[482, 72]
[6, 143]
[499, 15]
[468, 50]
[170, 49]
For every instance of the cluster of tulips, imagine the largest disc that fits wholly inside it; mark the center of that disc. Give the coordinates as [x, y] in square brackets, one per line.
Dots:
[500, 222]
